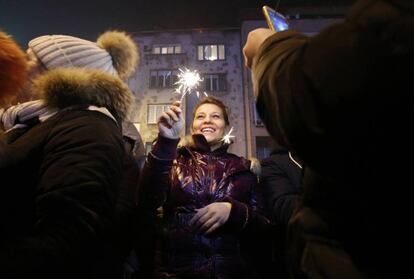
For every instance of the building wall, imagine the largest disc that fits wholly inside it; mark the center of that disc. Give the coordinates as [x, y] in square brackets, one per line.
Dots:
[189, 40]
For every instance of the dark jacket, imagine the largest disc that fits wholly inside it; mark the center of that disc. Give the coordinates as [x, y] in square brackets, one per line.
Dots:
[196, 178]
[57, 208]
[339, 101]
[280, 181]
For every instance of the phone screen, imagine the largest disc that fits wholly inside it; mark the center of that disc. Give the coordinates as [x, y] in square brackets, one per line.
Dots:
[276, 21]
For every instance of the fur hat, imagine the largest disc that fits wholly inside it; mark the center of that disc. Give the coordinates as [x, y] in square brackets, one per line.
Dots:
[114, 52]
[13, 68]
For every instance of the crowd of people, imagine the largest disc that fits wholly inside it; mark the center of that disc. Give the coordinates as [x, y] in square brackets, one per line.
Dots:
[331, 201]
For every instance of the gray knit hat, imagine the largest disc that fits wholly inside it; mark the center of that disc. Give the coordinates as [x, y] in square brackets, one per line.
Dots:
[114, 52]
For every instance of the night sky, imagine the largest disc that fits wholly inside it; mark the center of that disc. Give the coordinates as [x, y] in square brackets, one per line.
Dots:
[27, 19]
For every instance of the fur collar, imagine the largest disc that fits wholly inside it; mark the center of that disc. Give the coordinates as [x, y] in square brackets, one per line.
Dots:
[198, 142]
[62, 88]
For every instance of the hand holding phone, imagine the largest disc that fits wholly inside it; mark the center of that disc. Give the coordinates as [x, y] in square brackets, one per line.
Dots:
[275, 20]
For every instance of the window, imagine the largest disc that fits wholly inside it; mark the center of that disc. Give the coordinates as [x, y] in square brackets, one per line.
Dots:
[166, 49]
[148, 147]
[154, 112]
[214, 82]
[263, 147]
[163, 78]
[211, 52]
[256, 118]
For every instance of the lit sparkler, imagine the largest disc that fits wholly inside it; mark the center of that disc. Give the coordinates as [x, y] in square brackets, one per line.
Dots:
[227, 137]
[187, 82]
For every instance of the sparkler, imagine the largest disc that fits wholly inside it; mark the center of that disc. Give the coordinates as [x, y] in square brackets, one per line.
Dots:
[187, 82]
[227, 137]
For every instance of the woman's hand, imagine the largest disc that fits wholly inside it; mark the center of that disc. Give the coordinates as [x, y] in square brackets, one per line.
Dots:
[254, 40]
[210, 217]
[171, 122]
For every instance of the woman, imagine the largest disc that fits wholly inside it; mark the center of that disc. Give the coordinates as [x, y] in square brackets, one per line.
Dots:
[208, 196]
[60, 210]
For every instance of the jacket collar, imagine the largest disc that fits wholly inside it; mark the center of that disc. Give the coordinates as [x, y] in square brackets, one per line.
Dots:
[64, 87]
[198, 142]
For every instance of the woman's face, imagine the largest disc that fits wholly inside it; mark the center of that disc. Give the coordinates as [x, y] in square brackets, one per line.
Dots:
[209, 121]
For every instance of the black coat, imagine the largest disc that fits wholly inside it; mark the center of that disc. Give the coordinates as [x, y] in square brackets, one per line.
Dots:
[280, 182]
[57, 209]
[339, 100]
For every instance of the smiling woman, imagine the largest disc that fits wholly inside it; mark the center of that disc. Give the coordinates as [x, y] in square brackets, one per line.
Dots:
[210, 119]
[209, 197]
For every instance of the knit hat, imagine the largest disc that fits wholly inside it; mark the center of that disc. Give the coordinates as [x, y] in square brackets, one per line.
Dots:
[13, 68]
[114, 52]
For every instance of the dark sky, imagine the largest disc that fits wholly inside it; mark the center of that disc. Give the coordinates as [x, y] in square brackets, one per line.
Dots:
[26, 19]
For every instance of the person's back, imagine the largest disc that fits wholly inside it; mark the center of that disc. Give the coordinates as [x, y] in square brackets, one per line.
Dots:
[58, 209]
[356, 168]
[280, 183]
[62, 214]
[341, 103]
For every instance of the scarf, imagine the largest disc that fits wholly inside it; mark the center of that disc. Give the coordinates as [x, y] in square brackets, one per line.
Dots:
[21, 115]
[33, 112]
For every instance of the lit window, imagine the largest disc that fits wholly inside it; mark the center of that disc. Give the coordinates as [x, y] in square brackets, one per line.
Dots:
[256, 118]
[263, 147]
[166, 49]
[156, 50]
[148, 147]
[155, 111]
[211, 52]
[221, 53]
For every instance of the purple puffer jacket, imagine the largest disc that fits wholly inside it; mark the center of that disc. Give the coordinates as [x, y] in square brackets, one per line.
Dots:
[196, 178]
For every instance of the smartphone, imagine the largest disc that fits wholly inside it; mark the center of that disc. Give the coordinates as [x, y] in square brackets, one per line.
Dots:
[275, 21]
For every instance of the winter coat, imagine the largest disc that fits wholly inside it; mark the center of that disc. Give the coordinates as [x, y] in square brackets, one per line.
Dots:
[198, 177]
[57, 208]
[280, 181]
[339, 100]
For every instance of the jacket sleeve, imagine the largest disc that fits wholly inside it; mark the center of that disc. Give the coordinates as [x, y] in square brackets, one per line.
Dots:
[247, 215]
[302, 81]
[271, 70]
[79, 175]
[155, 178]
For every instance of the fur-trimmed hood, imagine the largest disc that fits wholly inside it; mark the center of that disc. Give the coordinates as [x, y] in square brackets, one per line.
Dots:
[62, 88]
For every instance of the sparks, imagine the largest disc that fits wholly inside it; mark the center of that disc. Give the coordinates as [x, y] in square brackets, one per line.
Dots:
[227, 137]
[187, 82]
